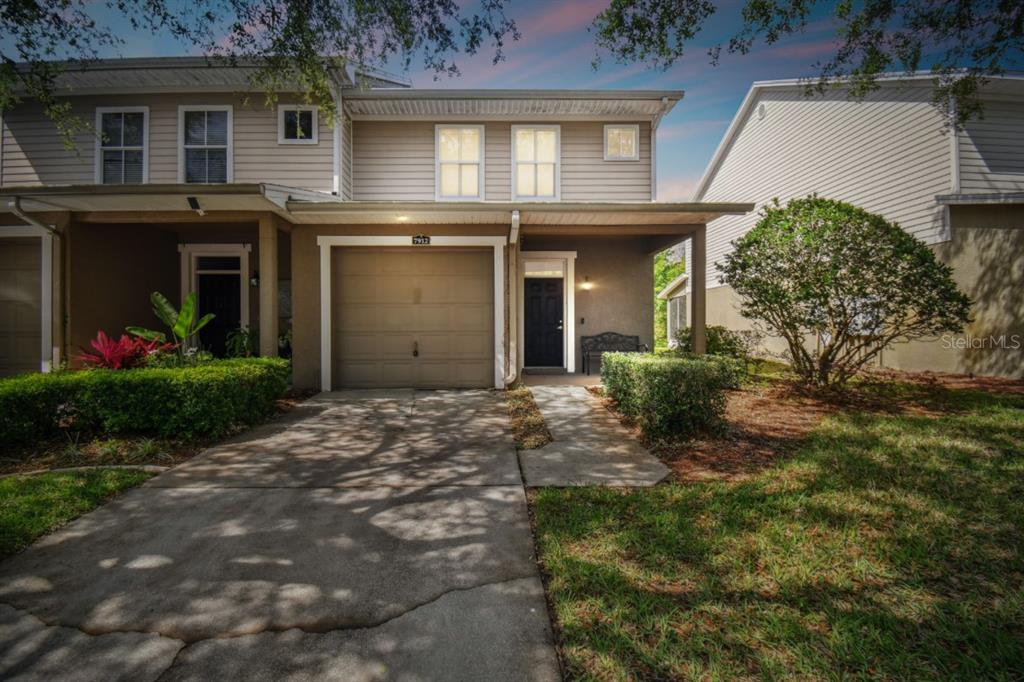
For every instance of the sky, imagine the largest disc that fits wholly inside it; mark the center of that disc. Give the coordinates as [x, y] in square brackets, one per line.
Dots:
[556, 50]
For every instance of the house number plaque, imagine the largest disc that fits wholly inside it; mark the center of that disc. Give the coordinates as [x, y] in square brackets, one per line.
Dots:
[421, 240]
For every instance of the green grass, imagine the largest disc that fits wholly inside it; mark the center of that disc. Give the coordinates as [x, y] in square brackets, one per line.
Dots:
[888, 547]
[31, 506]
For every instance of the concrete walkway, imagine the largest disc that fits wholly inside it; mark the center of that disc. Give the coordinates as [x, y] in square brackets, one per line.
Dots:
[366, 536]
[590, 446]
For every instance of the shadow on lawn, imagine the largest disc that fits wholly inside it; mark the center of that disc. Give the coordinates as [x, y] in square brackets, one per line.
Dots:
[888, 546]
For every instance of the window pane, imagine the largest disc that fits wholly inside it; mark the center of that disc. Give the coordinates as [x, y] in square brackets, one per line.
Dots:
[546, 145]
[470, 177]
[470, 144]
[448, 142]
[449, 180]
[546, 180]
[195, 165]
[305, 125]
[111, 124]
[195, 127]
[524, 180]
[217, 127]
[627, 141]
[524, 145]
[614, 149]
[291, 125]
[217, 165]
[218, 263]
[133, 167]
[133, 129]
[112, 166]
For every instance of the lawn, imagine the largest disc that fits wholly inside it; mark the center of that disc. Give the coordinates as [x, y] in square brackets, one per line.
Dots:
[884, 545]
[31, 506]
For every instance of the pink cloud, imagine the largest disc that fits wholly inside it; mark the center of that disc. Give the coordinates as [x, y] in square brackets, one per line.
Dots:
[679, 188]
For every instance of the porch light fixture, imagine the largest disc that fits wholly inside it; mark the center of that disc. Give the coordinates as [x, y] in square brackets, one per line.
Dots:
[193, 203]
[587, 284]
[402, 218]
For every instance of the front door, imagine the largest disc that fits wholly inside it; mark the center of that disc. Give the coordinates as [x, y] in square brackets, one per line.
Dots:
[544, 324]
[220, 294]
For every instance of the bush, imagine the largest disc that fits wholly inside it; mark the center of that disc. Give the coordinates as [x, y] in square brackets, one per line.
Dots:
[670, 397]
[722, 341]
[186, 402]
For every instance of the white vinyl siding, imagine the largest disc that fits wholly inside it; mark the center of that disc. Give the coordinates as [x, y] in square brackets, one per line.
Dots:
[888, 154]
[33, 154]
[992, 149]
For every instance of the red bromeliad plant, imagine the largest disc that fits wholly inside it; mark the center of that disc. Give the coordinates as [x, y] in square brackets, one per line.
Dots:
[123, 353]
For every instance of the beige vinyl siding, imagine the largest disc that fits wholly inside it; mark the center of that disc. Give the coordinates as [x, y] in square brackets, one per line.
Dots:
[586, 176]
[392, 160]
[498, 171]
[992, 149]
[889, 154]
[34, 155]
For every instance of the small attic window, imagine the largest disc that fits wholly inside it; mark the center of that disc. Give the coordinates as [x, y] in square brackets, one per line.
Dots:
[622, 142]
[296, 125]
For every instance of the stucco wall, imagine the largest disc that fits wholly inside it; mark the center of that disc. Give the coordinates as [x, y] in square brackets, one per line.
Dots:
[621, 271]
[987, 254]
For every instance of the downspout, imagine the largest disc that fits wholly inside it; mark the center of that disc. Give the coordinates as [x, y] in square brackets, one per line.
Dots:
[513, 310]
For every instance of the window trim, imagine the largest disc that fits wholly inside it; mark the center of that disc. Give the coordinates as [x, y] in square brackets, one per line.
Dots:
[437, 162]
[283, 108]
[182, 109]
[98, 153]
[636, 129]
[558, 161]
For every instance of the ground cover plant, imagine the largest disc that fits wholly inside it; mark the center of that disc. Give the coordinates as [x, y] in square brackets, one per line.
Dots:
[529, 430]
[883, 539]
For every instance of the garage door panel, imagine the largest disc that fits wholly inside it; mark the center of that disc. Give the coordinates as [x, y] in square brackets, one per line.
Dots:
[20, 305]
[441, 300]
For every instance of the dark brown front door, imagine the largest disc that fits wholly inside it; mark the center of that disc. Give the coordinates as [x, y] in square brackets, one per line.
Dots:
[544, 322]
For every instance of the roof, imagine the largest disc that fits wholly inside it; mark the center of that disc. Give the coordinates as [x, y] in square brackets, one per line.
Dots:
[191, 74]
[537, 105]
[1011, 81]
[678, 285]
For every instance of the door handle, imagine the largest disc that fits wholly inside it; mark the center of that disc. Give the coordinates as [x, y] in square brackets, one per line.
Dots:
[415, 349]
[559, 327]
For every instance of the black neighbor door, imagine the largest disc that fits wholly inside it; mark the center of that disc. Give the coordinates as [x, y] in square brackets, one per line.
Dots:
[544, 324]
[218, 294]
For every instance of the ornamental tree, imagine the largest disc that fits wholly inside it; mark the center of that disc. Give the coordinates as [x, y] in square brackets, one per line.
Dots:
[839, 284]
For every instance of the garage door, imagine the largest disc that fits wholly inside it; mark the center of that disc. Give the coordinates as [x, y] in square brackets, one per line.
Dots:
[420, 318]
[20, 298]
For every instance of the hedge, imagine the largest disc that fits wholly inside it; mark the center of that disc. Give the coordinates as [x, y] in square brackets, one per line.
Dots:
[670, 397]
[185, 402]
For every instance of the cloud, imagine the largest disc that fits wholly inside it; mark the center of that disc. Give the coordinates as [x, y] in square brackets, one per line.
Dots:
[679, 188]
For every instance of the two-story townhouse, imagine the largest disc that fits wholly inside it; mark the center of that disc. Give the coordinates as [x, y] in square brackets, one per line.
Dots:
[427, 238]
[960, 191]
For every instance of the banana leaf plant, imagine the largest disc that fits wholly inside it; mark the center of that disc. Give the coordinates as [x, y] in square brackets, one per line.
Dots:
[182, 323]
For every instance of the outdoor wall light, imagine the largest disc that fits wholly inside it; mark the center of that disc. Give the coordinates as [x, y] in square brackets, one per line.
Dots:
[402, 218]
[254, 281]
[587, 284]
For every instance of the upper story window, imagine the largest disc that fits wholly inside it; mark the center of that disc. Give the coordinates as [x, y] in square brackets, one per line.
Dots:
[121, 145]
[536, 158]
[296, 124]
[459, 158]
[622, 142]
[205, 153]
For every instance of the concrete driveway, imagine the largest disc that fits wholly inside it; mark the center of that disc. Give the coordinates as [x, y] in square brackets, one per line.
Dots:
[366, 536]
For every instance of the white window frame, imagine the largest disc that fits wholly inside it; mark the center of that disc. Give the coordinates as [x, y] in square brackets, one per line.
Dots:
[636, 145]
[182, 109]
[283, 108]
[437, 162]
[99, 139]
[558, 161]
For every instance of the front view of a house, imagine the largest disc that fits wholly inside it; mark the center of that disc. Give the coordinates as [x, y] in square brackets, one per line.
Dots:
[428, 238]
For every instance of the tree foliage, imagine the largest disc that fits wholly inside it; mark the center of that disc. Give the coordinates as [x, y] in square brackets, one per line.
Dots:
[962, 41]
[298, 41]
[839, 284]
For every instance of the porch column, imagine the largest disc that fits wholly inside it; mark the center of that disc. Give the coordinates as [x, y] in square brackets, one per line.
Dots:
[698, 288]
[268, 286]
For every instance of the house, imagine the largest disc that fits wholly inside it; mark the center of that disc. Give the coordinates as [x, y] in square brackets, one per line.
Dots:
[674, 295]
[427, 238]
[960, 191]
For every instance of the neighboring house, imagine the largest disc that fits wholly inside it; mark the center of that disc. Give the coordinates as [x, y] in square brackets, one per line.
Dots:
[961, 192]
[432, 238]
[674, 295]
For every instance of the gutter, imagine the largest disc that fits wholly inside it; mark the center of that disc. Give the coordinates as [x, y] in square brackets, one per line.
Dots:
[15, 206]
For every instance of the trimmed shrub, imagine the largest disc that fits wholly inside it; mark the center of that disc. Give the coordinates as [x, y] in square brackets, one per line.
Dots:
[740, 345]
[670, 397]
[186, 402]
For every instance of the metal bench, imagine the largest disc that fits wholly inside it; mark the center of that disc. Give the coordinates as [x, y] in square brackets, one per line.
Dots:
[608, 342]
